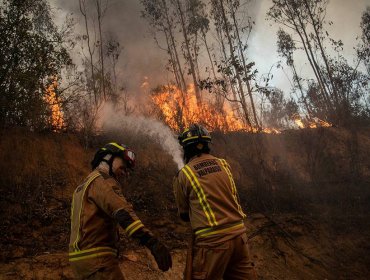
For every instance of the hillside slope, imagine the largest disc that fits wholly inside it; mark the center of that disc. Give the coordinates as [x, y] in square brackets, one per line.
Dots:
[306, 193]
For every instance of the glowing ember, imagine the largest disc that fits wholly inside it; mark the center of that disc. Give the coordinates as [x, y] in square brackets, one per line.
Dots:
[57, 118]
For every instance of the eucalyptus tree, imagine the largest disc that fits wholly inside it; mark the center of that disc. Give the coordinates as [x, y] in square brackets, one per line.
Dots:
[157, 13]
[199, 27]
[363, 51]
[233, 34]
[97, 79]
[286, 48]
[293, 14]
[160, 17]
[339, 90]
[184, 11]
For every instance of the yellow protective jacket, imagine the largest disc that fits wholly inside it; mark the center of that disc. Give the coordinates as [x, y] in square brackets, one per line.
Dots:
[205, 189]
[94, 223]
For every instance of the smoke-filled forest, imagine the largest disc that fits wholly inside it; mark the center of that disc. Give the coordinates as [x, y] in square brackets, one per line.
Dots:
[281, 85]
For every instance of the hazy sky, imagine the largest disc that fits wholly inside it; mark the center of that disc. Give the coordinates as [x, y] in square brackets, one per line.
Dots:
[346, 15]
[142, 58]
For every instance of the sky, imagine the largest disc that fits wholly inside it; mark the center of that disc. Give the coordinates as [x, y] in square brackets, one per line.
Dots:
[142, 60]
[346, 16]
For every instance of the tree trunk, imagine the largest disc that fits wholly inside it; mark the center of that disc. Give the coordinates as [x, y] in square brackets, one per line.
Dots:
[102, 72]
[296, 77]
[218, 96]
[233, 59]
[235, 102]
[309, 53]
[244, 66]
[188, 56]
[334, 88]
[91, 62]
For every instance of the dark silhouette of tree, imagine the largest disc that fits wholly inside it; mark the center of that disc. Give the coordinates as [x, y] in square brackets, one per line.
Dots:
[32, 54]
[286, 48]
[363, 50]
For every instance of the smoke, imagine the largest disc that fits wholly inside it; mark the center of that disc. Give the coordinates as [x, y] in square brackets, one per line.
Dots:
[141, 57]
[138, 126]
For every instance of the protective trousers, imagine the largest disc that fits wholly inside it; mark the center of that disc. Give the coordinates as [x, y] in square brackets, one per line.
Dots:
[101, 268]
[229, 260]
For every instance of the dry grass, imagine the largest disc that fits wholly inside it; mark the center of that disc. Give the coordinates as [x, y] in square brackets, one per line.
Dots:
[311, 172]
[38, 173]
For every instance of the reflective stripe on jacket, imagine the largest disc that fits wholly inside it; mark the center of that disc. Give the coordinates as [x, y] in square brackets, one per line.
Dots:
[205, 189]
[94, 229]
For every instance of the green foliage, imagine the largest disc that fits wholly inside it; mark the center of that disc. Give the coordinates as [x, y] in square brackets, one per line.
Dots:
[31, 54]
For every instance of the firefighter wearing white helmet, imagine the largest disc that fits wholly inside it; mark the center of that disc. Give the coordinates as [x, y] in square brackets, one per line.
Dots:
[98, 206]
[206, 196]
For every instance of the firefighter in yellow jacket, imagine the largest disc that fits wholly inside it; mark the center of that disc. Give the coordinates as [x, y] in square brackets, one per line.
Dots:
[98, 207]
[206, 196]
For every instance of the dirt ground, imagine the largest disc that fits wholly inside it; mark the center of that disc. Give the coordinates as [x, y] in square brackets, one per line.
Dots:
[282, 247]
[134, 264]
[311, 220]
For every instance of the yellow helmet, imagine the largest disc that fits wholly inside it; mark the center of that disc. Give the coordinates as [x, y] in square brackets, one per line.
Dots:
[119, 150]
[193, 135]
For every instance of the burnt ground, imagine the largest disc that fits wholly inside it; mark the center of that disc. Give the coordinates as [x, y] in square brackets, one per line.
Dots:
[306, 193]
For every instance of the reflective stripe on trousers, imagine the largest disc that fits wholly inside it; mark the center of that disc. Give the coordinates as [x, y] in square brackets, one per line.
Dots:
[219, 229]
[91, 253]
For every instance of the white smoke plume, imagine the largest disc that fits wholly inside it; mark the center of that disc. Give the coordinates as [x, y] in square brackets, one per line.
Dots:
[139, 126]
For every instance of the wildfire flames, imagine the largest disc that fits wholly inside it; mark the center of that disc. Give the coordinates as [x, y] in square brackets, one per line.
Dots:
[314, 123]
[182, 108]
[57, 118]
[177, 107]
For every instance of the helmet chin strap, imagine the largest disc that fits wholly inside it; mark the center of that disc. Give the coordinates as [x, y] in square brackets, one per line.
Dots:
[109, 160]
[200, 146]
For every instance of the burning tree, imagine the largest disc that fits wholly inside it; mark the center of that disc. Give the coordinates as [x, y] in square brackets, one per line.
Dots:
[231, 75]
[31, 50]
[178, 115]
[56, 119]
[234, 66]
[336, 93]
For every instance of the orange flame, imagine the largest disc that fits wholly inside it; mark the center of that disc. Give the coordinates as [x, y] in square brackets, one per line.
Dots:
[182, 108]
[179, 107]
[57, 117]
[310, 123]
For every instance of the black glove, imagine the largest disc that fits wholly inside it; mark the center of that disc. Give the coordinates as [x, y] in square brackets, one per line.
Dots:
[160, 252]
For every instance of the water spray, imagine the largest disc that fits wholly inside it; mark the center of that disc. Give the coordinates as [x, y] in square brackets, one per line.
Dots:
[138, 125]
